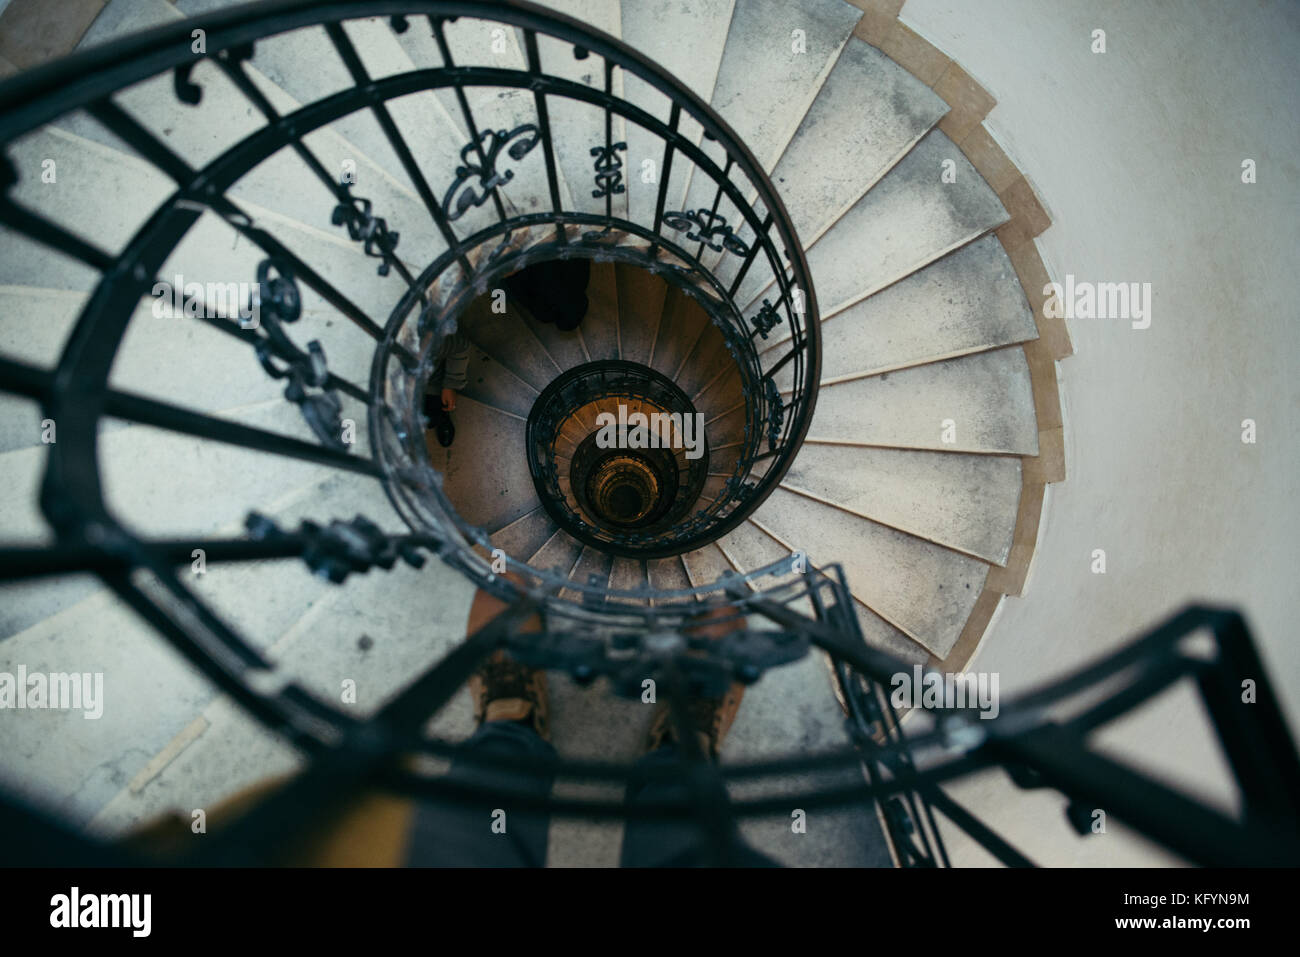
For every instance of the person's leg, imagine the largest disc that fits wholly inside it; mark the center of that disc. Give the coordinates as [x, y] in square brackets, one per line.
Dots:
[440, 423]
[488, 833]
[679, 842]
[511, 704]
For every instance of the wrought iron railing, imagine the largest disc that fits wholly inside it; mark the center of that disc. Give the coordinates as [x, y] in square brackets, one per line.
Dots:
[477, 233]
[679, 478]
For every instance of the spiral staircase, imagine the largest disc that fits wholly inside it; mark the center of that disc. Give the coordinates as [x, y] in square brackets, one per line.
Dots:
[830, 280]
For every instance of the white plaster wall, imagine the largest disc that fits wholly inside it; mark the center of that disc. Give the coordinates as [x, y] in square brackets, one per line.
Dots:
[1136, 154]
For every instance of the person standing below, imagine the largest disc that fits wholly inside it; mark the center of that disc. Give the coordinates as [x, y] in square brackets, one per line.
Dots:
[450, 376]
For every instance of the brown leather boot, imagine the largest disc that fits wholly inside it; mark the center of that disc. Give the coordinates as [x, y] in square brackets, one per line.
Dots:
[504, 690]
[711, 718]
[501, 688]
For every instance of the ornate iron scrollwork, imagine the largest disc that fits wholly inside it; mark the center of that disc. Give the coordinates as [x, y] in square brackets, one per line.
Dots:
[275, 301]
[341, 548]
[609, 170]
[491, 142]
[775, 414]
[364, 227]
[704, 226]
[767, 319]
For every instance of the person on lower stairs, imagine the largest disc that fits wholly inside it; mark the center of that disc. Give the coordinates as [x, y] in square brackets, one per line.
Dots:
[450, 376]
[511, 705]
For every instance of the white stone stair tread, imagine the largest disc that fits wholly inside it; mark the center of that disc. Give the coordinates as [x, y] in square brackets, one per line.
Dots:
[498, 494]
[923, 589]
[211, 252]
[262, 600]
[764, 87]
[908, 219]
[967, 502]
[706, 565]
[89, 177]
[867, 115]
[522, 538]
[688, 41]
[567, 349]
[323, 650]
[199, 133]
[628, 574]
[968, 301]
[576, 126]
[73, 765]
[24, 603]
[667, 574]
[493, 384]
[987, 396]
[558, 555]
[590, 562]
[509, 340]
[164, 483]
[34, 325]
[600, 327]
[640, 307]
[150, 691]
[682, 323]
[485, 42]
[306, 66]
[750, 548]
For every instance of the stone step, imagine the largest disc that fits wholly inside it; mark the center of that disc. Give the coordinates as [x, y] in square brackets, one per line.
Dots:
[509, 340]
[600, 328]
[706, 566]
[224, 750]
[749, 547]
[977, 403]
[490, 382]
[522, 538]
[283, 182]
[966, 502]
[474, 41]
[908, 220]
[641, 298]
[867, 115]
[925, 590]
[682, 323]
[968, 301]
[485, 472]
[150, 692]
[212, 252]
[765, 84]
[579, 127]
[687, 40]
[627, 574]
[667, 574]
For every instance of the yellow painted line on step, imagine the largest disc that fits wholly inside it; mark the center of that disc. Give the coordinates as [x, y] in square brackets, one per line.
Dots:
[188, 735]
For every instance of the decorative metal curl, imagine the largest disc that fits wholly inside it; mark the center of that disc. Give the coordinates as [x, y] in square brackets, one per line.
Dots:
[341, 548]
[701, 225]
[275, 301]
[491, 143]
[775, 413]
[609, 170]
[766, 319]
[366, 228]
